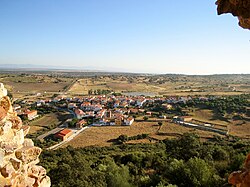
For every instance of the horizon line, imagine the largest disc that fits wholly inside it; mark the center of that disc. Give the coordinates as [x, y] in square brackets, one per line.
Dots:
[72, 70]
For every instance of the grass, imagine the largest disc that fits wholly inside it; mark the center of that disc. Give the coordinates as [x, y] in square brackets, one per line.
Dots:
[240, 128]
[34, 129]
[208, 116]
[37, 87]
[83, 85]
[47, 121]
[103, 136]
[161, 86]
[28, 85]
[22, 86]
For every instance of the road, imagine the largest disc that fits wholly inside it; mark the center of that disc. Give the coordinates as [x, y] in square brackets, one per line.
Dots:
[59, 128]
[53, 131]
[203, 127]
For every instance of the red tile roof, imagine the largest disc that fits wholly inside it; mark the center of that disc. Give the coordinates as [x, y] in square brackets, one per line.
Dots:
[64, 132]
[79, 112]
[31, 112]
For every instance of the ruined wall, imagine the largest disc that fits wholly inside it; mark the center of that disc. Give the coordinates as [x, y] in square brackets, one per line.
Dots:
[239, 8]
[241, 178]
[18, 155]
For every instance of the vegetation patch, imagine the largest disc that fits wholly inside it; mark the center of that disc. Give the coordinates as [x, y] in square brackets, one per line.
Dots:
[185, 161]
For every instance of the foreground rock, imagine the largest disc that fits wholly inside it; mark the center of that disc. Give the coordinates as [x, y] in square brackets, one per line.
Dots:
[239, 8]
[241, 178]
[18, 155]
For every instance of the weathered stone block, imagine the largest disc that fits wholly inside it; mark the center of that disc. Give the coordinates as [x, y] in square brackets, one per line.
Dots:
[7, 170]
[28, 143]
[18, 156]
[6, 104]
[3, 91]
[28, 154]
[3, 113]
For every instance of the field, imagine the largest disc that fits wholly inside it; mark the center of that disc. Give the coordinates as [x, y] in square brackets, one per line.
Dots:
[104, 136]
[83, 85]
[34, 129]
[32, 85]
[240, 128]
[47, 121]
[79, 83]
[208, 116]
[164, 85]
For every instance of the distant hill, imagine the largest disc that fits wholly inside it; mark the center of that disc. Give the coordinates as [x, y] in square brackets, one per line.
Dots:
[105, 70]
[33, 66]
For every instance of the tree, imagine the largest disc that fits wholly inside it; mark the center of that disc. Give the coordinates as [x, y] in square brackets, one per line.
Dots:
[98, 91]
[160, 124]
[185, 147]
[117, 176]
[73, 122]
[200, 173]
[90, 92]
[122, 138]
[195, 172]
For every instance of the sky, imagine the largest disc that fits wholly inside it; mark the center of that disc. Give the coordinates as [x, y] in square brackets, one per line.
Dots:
[146, 36]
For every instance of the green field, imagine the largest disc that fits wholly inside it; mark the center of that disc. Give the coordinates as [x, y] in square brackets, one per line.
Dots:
[47, 122]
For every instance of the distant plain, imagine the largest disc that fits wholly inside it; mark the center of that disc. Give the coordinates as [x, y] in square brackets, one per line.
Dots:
[32, 86]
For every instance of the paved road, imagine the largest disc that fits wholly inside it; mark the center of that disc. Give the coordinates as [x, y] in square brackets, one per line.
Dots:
[53, 131]
[59, 128]
[203, 127]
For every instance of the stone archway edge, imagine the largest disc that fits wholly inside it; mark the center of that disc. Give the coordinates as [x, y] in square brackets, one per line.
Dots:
[18, 155]
[238, 8]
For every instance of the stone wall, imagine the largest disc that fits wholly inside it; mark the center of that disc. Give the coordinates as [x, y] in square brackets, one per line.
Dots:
[241, 178]
[18, 155]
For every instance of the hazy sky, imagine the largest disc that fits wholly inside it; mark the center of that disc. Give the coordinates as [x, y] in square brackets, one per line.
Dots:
[156, 36]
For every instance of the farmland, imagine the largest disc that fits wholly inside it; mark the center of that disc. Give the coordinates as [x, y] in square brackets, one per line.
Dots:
[47, 122]
[240, 128]
[28, 85]
[104, 136]
[164, 85]
[37, 86]
[79, 83]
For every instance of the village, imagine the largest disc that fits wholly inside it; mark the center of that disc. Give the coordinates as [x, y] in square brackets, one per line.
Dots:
[110, 110]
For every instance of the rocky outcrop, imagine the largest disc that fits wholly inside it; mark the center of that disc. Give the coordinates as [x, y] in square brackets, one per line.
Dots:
[18, 155]
[239, 8]
[241, 178]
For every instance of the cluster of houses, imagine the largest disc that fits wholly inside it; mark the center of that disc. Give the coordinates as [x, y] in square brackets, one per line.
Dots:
[109, 110]
[117, 110]
[103, 110]
[25, 113]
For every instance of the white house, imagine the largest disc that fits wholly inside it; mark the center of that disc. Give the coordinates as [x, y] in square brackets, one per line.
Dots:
[129, 121]
[79, 113]
[140, 102]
